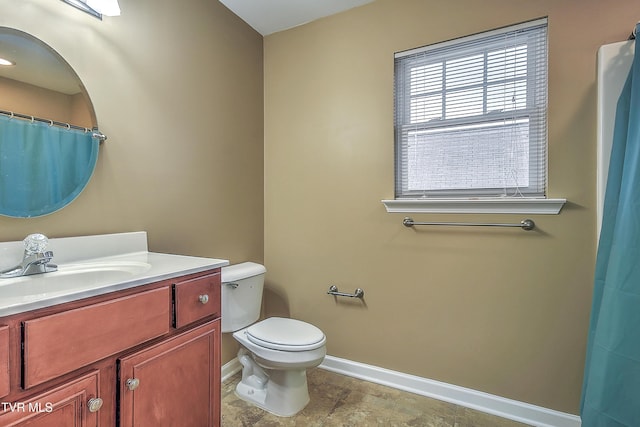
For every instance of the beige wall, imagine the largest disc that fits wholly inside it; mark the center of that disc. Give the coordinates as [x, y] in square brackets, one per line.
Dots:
[36, 101]
[497, 310]
[178, 91]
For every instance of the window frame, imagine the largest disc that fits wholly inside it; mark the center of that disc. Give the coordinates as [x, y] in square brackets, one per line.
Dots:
[480, 44]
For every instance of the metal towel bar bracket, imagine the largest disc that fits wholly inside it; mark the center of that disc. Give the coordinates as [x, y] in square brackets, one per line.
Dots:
[525, 224]
[333, 290]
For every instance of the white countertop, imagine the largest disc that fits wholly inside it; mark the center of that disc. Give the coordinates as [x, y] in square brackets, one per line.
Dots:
[122, 263]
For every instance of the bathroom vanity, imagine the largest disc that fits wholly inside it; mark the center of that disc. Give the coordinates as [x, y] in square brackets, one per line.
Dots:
[137, 345]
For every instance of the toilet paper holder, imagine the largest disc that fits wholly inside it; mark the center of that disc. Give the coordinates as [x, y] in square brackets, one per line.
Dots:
[333, 290]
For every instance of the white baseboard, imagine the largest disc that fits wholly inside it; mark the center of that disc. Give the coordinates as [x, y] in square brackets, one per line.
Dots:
[484, 402]
[507, 408]
[230, 368]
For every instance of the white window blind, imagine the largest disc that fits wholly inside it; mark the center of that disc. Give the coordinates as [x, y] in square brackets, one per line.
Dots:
[470, 116]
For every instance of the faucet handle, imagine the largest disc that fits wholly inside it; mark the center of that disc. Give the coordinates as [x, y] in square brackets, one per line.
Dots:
[35, 243]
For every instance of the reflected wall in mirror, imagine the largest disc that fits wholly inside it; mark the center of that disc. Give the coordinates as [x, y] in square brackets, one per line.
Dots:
[47, 150]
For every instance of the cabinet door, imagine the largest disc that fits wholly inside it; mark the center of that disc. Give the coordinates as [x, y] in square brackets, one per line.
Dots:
[70, 405]
[4, 361]
[173, 383]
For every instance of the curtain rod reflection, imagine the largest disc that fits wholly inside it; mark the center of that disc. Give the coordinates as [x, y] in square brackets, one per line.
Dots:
[96, 133]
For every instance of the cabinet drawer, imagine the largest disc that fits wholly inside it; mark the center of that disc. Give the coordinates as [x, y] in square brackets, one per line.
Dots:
[63, 342]
[4, 361]
[196, 299]
[62, 406]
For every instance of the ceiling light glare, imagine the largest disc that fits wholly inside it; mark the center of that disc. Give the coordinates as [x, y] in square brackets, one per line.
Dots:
[105, 7]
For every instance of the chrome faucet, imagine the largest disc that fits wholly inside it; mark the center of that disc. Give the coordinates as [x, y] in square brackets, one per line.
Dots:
[35, 260]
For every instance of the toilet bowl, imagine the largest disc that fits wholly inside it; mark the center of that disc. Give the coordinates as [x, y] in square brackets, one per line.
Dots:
[275, 352]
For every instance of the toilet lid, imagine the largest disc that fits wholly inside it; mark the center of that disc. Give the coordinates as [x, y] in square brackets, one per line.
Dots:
[285, 334]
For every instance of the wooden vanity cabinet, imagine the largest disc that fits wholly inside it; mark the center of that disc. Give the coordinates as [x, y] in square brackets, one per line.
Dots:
[69, 365]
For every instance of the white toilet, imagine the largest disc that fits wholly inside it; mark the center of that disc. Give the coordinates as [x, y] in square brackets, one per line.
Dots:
[276, 352]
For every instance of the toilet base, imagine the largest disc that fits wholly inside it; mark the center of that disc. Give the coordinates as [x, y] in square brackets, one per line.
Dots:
[281, 392]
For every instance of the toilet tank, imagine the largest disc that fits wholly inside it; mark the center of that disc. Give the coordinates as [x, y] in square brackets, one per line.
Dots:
[242, 286]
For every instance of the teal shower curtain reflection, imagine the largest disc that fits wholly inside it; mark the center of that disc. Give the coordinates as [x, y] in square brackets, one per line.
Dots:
[611, 388]
[42, 167]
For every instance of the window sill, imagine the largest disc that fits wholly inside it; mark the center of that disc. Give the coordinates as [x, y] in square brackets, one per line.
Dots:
[476, 206]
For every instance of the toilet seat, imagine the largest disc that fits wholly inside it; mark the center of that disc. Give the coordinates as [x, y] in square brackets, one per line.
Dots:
[279, 333]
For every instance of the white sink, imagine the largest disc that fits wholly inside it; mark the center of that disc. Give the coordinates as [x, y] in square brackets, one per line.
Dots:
[90, 266]
[70, 277]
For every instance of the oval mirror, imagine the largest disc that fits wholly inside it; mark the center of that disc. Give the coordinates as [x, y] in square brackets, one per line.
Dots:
[48, 131]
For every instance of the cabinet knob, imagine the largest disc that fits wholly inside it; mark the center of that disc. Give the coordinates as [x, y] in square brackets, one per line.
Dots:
[203, 298]
[132, 383]
[94, 404]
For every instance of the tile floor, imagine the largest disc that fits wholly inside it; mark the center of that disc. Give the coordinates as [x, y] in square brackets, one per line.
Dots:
[341, 401]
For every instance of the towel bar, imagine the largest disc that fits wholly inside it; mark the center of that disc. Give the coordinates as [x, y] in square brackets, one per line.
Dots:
[333, 290]
[525, 224]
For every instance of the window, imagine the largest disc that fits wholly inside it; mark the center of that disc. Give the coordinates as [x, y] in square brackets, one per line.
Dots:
[470, 116]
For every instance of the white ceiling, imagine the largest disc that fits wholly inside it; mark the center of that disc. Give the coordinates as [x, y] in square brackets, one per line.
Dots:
[271, 16]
